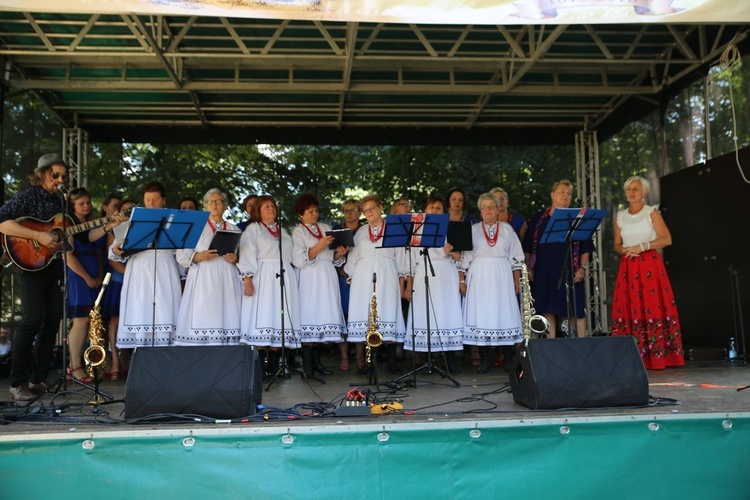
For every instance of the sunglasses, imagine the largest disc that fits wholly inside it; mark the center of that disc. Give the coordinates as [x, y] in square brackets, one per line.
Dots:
[57, 175]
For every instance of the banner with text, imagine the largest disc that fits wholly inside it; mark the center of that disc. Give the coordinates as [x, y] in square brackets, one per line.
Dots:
[418, 11]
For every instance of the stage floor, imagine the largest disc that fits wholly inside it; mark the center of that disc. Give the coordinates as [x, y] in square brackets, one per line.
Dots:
[448, 442]
[698, 388]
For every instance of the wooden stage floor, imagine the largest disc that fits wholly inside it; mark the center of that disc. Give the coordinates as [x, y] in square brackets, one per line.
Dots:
[698, 388]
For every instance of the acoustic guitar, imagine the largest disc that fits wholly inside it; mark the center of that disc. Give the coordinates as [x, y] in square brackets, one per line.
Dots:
[29, 255]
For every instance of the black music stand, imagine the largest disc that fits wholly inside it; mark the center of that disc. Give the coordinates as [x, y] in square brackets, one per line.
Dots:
[567, 225]
[424, 231]
[162, 229]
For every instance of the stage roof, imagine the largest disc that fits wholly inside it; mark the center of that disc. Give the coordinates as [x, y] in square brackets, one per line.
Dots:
[205, 79]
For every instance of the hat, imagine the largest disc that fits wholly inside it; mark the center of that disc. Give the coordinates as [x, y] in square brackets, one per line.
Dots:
[48, 160]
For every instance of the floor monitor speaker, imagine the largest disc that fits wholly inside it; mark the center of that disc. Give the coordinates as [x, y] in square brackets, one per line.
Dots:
[221, 382]
[589, 372]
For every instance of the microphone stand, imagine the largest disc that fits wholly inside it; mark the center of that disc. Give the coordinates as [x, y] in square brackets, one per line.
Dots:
[61, 385]
[428, 365]
[568, 274]
[284, 368]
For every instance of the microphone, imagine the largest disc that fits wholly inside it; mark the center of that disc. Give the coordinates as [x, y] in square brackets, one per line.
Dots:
[61, 188]
[374, 277]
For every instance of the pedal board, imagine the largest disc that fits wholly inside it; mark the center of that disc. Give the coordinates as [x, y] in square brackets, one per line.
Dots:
[352, 408]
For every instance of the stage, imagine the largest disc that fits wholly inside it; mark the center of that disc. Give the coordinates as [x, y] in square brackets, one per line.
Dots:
[470, 441]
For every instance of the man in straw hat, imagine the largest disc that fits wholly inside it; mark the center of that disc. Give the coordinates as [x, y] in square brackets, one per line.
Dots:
[41, 293]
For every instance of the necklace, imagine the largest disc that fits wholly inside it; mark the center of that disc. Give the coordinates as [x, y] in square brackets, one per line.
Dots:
[317, 234]
[633, 216]
[215, 226]
[379, 234]
[491, 240]
[275, 232]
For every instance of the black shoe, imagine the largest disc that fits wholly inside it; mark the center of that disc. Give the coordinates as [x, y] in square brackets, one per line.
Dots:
[509, 353]
[38, 388]
[307, 361]
[484, 360]
[365, 370]
[393, 367]
[317, 364]
[450, 362]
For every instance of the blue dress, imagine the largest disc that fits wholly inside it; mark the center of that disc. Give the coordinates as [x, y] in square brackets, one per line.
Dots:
[516, 222]
[110, 306]
[90, 254]
[548, 299]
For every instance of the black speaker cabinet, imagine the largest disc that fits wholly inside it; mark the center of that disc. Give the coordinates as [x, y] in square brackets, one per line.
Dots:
[589, 372]
[215, 381]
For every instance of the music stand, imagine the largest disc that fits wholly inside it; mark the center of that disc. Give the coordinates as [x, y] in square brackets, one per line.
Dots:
[424, 231]
[567, 225]
[162, 229]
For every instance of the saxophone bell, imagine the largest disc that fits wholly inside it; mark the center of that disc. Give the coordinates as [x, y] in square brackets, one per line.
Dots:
[374, 339]
[530, 321]
[94, 356]
[538, 324]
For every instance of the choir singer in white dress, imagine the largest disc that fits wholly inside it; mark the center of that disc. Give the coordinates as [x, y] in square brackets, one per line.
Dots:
[321, 315]
[446, 320]
[210, 308]
[491, 313]
[141, 322]
[366, 259]
[259, 264]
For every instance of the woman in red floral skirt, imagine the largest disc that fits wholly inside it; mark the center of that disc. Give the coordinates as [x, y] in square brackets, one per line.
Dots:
[643, 302]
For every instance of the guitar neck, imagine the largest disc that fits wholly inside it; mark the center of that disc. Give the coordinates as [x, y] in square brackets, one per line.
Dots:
[79, 228]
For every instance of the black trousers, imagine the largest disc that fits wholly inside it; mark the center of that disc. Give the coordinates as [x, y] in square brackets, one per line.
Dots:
[42, 310]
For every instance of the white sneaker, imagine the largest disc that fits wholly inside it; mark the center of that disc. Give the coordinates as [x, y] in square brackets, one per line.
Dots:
[21, 393]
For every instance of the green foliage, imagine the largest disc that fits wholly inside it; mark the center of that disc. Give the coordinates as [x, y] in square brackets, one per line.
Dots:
[29, 131]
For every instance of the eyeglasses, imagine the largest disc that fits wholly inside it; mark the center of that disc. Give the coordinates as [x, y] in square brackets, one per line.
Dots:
[369, 209]
[57, 175]
[214, 202]
[351, 211]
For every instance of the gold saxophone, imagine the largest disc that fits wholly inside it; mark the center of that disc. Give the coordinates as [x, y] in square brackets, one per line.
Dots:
[530, 321]
[95, 355]
[373, 338]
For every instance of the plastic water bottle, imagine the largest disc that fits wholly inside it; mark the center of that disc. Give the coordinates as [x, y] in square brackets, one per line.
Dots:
[732, 348]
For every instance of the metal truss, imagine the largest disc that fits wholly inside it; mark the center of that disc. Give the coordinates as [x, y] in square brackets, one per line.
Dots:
[587, 177]
[75, 153]
[214, 72]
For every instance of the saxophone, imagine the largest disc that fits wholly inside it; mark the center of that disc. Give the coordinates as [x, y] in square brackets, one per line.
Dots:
[530, 321]
[373, 337]
[95, 355]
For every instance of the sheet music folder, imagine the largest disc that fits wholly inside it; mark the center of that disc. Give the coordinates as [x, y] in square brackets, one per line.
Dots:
[163, 229]
[341, 237]
[225, 242]
[583, 221]
[415, 230]
[459, 236]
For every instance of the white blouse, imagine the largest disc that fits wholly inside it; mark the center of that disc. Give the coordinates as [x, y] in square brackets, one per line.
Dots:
[636, 228]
